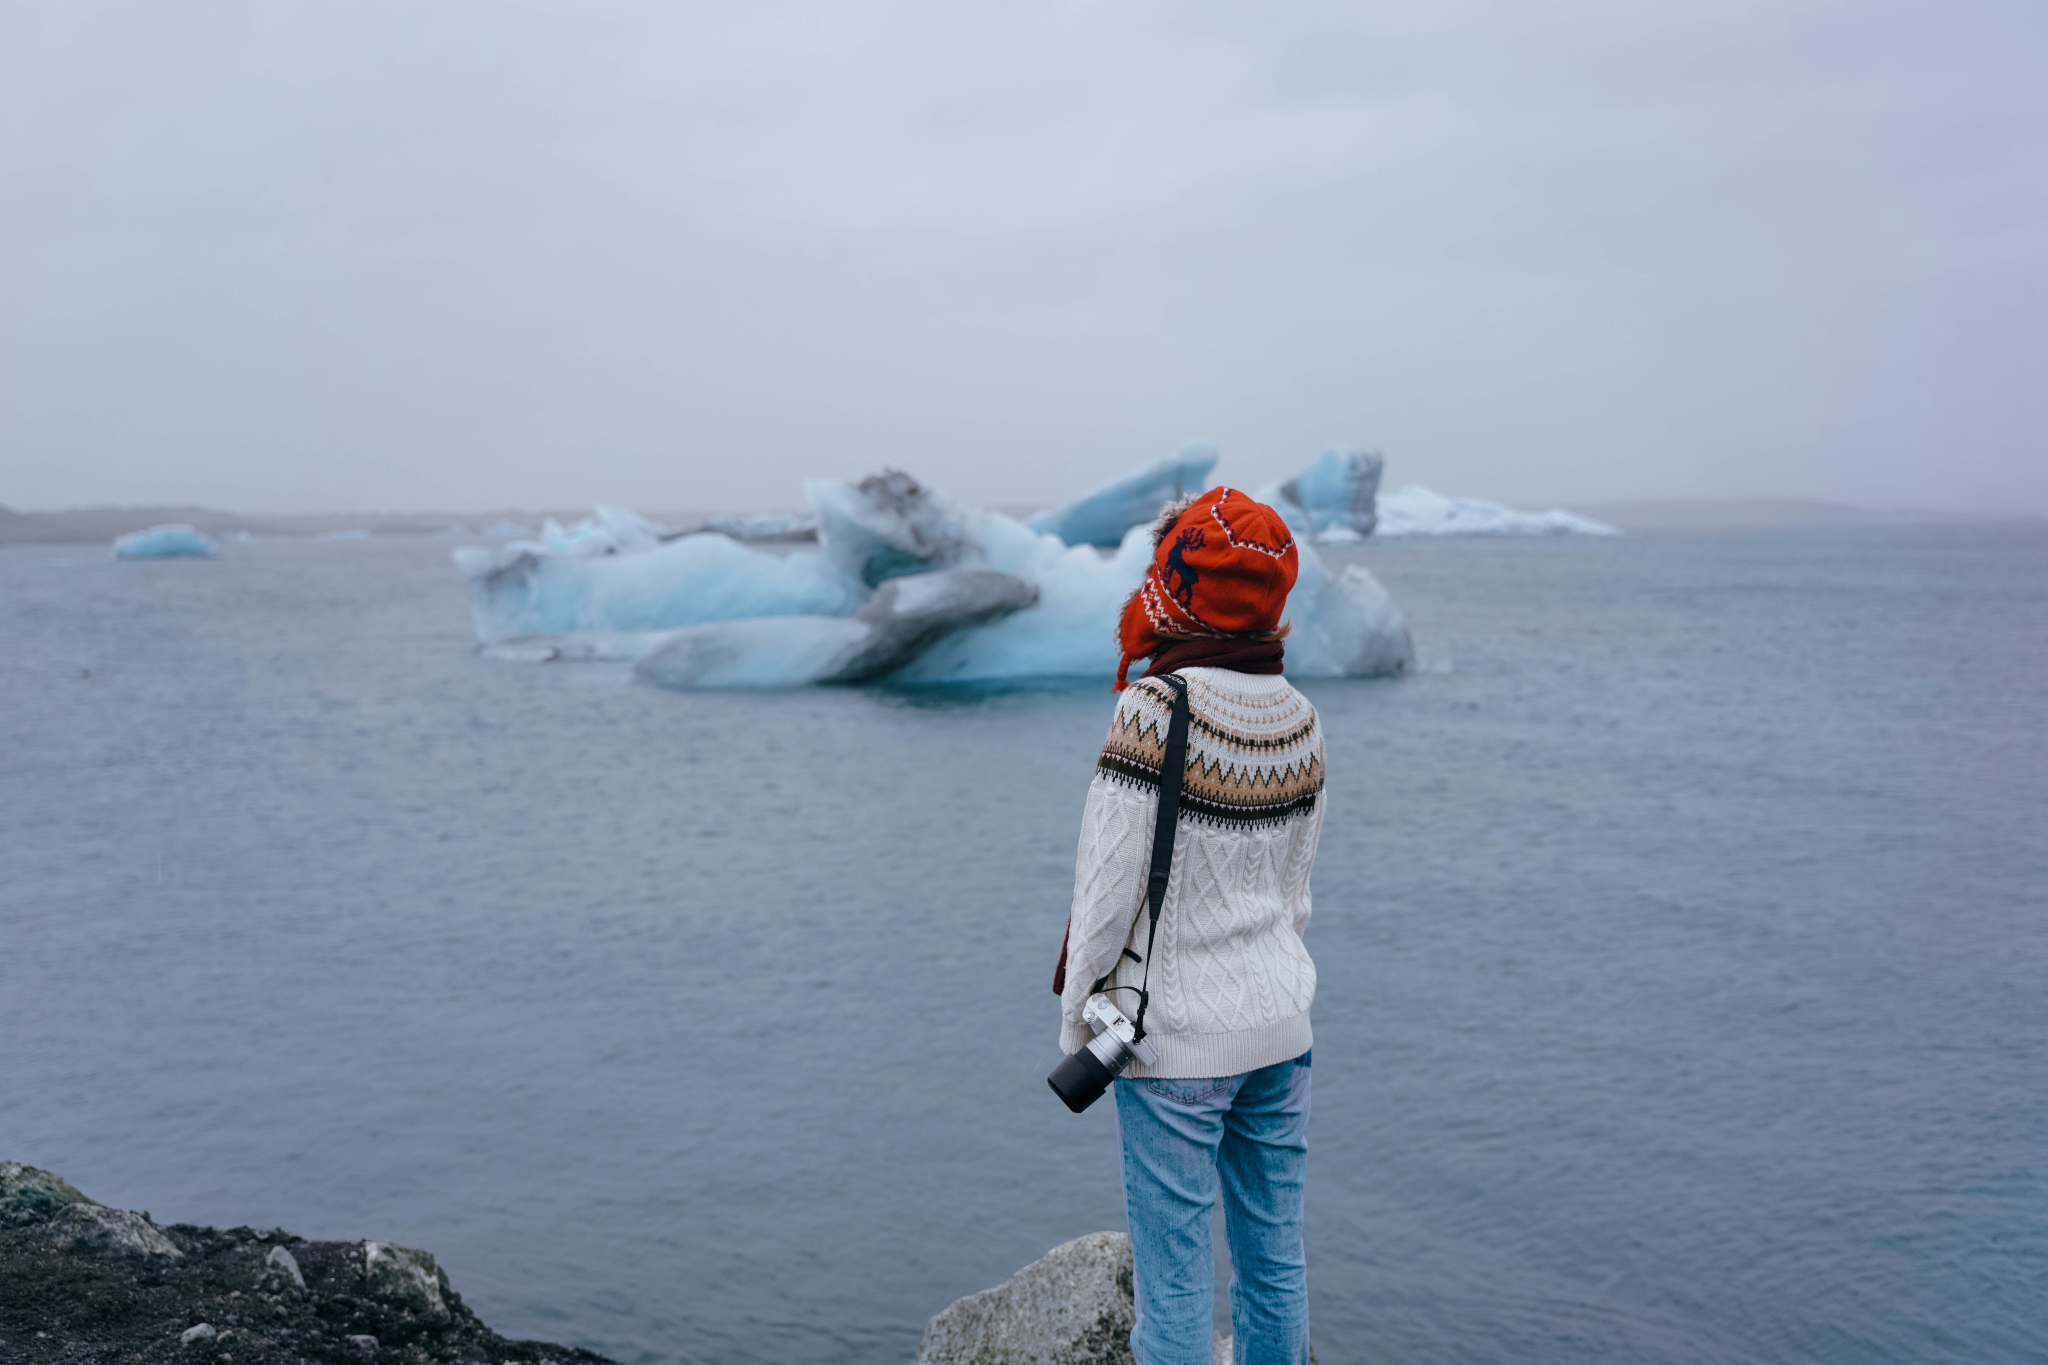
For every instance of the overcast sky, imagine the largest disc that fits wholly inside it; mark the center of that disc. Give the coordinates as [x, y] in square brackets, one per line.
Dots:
[277, 256]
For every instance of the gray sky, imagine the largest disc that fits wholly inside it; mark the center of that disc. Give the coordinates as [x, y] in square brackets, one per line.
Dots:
[286, 256]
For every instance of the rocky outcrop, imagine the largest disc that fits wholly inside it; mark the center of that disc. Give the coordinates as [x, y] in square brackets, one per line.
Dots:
[1072, 1306]
[82, 1281]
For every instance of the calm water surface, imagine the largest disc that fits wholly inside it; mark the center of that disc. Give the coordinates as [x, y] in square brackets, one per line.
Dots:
[1682, 942]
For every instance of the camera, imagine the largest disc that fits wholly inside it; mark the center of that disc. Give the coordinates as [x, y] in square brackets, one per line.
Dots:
[1080, 1079]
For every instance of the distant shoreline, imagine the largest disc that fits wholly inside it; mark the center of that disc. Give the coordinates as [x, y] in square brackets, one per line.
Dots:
[1733, 513]
[100, 525]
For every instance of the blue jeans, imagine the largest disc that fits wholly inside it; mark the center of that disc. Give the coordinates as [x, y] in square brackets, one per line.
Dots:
[1181, 1139]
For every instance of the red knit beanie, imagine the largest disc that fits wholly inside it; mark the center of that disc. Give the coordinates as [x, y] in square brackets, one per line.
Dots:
[1223, 567]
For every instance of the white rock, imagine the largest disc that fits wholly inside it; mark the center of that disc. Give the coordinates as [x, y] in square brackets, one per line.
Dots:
[284, 1264]
[405, 1278]
[192, 1335]
[365, 1343]
[81, 1225]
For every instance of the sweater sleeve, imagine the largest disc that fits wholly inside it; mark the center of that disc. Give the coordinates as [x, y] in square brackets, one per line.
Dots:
[1115, 855]
[1301, 858]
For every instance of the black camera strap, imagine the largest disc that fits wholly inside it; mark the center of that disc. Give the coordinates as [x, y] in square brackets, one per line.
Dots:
[1172, 768]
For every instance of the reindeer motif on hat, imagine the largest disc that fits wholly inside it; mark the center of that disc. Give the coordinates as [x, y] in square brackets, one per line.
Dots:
[1185, 577]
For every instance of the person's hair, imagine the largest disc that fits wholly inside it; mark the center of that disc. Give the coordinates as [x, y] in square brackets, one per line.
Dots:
[1259, 635]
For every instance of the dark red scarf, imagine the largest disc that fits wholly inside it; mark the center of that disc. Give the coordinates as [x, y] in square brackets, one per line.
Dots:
[1234, 652]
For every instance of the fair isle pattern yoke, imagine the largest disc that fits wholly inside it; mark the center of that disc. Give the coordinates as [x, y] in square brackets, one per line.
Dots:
[1250, 759]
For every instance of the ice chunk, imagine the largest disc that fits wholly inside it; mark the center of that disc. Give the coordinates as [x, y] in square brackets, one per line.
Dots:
[1342, 625]
[607, 531]
[886, 526]
[904, 617]
[908, 615]
[173, 541]
[767, 526]
[1333, 499]
[787, 651]
[522, 589]
[1419, 511]
[1101, 518]
[1071, 632]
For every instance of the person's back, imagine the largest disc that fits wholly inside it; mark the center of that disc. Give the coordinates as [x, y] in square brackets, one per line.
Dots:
[1231, 980]
[1226, 993]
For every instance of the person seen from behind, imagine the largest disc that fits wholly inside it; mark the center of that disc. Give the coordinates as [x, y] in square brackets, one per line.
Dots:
[1224, 1109]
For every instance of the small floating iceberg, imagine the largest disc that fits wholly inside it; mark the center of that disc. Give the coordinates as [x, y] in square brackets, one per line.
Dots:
[1419, 511]
[1101, 518]
[1334, 500]
[173, 541]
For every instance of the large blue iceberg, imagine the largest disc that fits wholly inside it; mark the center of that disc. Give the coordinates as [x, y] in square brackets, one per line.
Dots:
[1334, 500]
[174, 541]
[903, 585]
[1101, 518]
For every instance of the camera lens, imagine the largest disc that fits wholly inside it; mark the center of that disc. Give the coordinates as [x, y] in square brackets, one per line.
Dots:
[1080, 1079]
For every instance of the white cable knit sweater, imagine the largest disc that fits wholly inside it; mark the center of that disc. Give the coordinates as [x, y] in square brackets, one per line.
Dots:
[1231, 980]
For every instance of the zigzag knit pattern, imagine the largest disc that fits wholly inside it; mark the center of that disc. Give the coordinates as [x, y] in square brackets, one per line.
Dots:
[1231, 980]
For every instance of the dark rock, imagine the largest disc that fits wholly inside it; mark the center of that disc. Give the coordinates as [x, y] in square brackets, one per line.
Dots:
[75, 1285]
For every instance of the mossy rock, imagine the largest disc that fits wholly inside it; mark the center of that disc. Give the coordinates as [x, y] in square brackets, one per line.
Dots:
[29, 1195]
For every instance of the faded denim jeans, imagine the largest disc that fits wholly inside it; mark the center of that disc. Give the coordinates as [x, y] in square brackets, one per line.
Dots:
[1182, 1140]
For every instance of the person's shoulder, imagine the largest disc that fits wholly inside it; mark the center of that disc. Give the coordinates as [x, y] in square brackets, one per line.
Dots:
[1144, 701]
[1136, 746]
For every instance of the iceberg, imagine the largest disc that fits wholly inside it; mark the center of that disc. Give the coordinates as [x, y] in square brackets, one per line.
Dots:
[771, 526]
[509, 530]
[886, 526]
[172, 541]
[1101, 518]
[1333, 500]
[526, 588]
[903, 585]
[1342, 625]
[1419, 511]
[906, 615]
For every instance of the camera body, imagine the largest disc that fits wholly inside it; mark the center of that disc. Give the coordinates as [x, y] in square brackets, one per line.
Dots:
[1080, 1079]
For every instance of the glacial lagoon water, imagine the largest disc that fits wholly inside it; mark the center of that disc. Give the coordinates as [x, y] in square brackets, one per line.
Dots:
[1681, 929]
